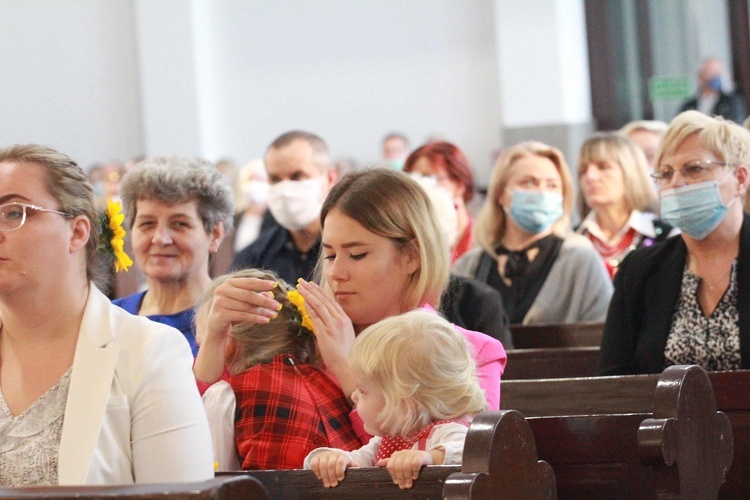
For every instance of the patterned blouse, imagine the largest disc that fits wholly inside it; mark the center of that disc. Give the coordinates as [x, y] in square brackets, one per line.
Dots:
[29, 442]
[712, 342]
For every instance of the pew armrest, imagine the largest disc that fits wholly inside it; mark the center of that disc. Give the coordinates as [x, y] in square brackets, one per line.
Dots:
[500, 461]
[686, 434]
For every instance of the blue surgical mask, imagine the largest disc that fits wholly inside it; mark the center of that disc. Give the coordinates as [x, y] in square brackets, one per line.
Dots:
[535, 211]
[696, 209]
[714, 83]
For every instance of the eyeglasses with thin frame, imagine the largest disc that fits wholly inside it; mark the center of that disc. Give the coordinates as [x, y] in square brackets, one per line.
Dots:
[13, 215]
[694, 171]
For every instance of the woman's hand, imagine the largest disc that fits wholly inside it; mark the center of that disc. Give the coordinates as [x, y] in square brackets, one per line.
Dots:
[330, 466]
[236, 300]
[333, 330]
[404, 465]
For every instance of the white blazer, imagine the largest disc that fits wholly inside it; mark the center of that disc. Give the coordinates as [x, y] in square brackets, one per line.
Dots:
[133, 413]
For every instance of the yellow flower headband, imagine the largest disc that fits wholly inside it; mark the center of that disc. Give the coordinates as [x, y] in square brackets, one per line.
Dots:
[113, 235]
[298, 301]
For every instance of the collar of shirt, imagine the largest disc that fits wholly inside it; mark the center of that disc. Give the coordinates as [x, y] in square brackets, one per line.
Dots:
[642, 222]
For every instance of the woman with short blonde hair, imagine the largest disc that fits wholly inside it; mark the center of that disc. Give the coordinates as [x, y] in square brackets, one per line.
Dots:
[687, 300]
[544, 273]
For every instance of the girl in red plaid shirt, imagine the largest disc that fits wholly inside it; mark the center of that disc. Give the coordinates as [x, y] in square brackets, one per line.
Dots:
[417, 391]
[275, 404]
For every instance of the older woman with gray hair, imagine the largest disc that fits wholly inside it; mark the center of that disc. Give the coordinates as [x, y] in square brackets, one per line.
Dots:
[687, 300]
[178, 210]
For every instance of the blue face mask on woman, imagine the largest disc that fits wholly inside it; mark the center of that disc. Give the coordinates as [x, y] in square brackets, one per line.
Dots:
[696, 209]
[535, 211]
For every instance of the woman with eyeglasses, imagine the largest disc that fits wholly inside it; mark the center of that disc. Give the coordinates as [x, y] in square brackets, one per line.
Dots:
[616, 198]
[544, 273]
[687, 300]
[89, 394]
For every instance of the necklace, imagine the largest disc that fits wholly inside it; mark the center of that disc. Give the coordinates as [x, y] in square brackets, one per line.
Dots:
[712, 284]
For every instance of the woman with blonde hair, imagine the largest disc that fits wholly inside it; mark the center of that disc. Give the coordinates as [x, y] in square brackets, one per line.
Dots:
[417, 392]
[616, 198]
[276, 403]
[687, 300]
[544, 274]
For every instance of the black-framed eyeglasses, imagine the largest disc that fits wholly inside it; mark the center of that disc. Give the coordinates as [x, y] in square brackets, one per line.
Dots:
[13, 215]
[693, 171]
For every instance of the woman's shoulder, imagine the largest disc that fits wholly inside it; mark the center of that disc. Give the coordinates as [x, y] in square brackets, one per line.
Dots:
[487, 348]
[140, 333]
[131, 303]
[466, 265]
[579, 247]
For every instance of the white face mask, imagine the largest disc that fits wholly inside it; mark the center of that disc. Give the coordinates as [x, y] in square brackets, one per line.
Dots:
[296, 204]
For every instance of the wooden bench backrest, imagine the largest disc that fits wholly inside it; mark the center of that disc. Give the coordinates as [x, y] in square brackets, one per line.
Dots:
[635, 394]
[557, 362]
[557, 335]
[499, 462]
[219, 488]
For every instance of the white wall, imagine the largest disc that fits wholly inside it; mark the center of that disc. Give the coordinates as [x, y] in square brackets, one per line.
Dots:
[112, 79]
[543, 58]
[349, 71]
[69, 77]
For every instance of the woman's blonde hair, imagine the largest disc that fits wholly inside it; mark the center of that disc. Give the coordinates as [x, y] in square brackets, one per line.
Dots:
[259, 343]
[492, 221]
[725, 139]
[423, 365]
[613, 147]
[391, 204]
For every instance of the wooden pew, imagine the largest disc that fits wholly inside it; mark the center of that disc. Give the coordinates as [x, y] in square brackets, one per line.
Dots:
[554, 351]
[219, 488]
[592, 399]
[554, 362]
[499, 462]
[557, 335]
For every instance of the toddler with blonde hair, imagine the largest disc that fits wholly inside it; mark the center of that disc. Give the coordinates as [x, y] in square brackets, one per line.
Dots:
[417, 391]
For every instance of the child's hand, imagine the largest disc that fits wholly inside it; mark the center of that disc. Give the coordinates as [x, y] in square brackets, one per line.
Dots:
[329, 466]
[404, 466]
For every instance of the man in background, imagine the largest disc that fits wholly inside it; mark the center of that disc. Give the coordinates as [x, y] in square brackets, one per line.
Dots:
[711, 99]
[300, 176]
[395, 150]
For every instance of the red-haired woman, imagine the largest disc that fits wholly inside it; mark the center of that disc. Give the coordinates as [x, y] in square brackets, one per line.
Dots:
[451, 169]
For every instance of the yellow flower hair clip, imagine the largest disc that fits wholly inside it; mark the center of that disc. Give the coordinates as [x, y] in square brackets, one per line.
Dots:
[112, 238]
[298, 301]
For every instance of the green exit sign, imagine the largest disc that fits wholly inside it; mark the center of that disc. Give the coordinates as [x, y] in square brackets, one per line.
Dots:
[669, 88]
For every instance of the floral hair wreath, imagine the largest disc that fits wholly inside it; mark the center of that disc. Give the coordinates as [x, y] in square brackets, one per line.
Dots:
[112, 237]
[300, 315]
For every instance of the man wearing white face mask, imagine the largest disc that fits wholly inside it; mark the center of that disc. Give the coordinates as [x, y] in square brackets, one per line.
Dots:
[300, 176]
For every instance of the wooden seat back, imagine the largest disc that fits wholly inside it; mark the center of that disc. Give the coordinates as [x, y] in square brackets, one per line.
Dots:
[499, 462]
[557, 335]
[638, 394]
[219, 488]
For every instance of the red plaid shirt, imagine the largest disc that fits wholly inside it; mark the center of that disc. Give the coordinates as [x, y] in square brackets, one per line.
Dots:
[286, 409]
